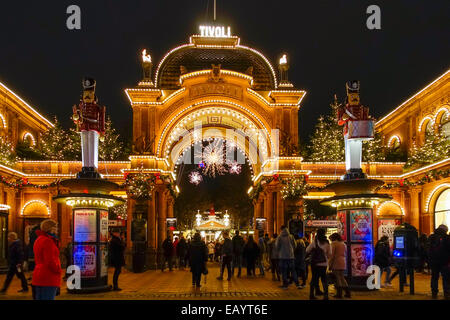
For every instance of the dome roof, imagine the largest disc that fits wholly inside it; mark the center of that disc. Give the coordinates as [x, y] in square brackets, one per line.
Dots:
[193, 58]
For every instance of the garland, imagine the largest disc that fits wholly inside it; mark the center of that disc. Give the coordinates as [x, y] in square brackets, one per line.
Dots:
[23, 182]
[432, 175]
[293, 188]
[141, 185]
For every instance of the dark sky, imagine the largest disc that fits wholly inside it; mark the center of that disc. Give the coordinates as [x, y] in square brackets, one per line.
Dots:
[327, 41]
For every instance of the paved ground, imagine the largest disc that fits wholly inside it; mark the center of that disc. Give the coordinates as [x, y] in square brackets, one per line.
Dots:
[155, 285]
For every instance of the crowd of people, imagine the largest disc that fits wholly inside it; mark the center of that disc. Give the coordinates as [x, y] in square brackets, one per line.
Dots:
[289, 259]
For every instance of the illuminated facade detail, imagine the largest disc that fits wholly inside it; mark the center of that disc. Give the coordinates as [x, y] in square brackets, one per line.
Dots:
[3, 123]
[442, 209]
[35, 208]
[432, 195]
[394, 142]
[386, 204]
[28, 137]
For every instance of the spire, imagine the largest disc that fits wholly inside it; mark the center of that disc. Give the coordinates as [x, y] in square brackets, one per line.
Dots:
[147, 66]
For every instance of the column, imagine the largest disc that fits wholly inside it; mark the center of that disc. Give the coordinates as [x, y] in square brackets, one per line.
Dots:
[414, 213]
[280, 211]
[268, 208]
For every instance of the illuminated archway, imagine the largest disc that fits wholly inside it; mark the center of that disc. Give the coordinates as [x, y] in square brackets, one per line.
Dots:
[2, 122]
[35, 208]
[442, 209]
[390, 208]
[394, 142]
[29, 138]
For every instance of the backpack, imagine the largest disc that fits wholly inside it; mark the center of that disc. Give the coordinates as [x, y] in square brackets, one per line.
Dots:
[317, 254]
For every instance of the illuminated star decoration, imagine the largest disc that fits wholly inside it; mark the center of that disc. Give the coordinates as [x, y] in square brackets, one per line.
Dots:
[213, 159]
[195, 178]
[234, 167]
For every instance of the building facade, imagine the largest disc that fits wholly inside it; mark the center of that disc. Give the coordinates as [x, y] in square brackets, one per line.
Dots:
[220, 86]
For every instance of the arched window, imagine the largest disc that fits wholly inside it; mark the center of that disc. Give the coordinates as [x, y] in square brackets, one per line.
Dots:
[445, 124]
[394, 142]
[442, 209]
[29, 138]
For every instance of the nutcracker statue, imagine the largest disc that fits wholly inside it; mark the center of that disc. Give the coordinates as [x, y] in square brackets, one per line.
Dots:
[358, 127]
[90, 120]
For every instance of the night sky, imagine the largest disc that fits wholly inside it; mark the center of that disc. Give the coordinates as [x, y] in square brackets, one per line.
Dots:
[327, 42]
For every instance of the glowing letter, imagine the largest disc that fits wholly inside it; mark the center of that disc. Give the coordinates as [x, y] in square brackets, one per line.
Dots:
[202, 31]
[373, 282]
[75, 276]
[74, 20]
[373, 21]
[229, 31]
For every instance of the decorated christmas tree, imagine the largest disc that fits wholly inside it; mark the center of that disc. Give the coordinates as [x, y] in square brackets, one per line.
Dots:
[435, 148]
[111, 148]
[7, 155]
[327, 141]
[55, 143]
[373, 150]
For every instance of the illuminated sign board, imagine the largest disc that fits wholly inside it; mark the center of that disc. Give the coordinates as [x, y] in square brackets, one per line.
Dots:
[216, 32]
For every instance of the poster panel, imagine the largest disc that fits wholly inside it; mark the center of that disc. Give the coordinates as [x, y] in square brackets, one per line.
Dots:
[104, 261]
[103, 226]
[85, 226]
[84, 256]
[386, 227]
[361, 225]
[361, 259]
[342, 224]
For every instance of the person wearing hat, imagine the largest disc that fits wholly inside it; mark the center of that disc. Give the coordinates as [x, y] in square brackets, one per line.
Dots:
[47, 273]
[439, 256]
[116, 249]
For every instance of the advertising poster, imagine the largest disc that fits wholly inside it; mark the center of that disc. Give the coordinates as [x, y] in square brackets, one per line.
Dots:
[85, 226]
[104, 261]
[386, 227]
[361, 259]
[342, 225]
[361, 225]
[84, 256]
[103, 226]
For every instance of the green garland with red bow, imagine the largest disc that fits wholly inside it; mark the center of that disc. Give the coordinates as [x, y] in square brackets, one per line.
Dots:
[432, 175]
[23, 182]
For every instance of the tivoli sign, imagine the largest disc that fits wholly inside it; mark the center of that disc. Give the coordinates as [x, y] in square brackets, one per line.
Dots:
[217, 32]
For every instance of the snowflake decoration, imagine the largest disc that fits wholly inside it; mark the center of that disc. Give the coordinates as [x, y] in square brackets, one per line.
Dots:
[195, 178]
[213, 159]
[234, 167]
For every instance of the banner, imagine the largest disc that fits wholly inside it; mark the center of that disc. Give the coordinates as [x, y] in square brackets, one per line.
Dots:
[361, 225]
[361, 259]
[103, 226]
[84, 256]
[85, 225]
[386, 227]
[342, 225]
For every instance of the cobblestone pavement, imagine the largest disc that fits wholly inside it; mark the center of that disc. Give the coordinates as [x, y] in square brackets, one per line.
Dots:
[157, 285]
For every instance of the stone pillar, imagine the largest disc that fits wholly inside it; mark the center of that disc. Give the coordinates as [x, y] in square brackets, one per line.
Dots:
[268, 208]
[414, 212]
[280, 212]
[162, 207]
[151, 235]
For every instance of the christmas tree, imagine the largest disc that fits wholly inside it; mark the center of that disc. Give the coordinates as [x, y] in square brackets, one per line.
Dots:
[111, 148]
[435, 148]
[55, 143]
[7, 155]
[327, 141]
[373, 150]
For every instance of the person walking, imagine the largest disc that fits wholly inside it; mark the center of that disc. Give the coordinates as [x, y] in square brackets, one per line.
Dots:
[187, 258]
[262, 252]
[338, 264]
[238, 247]
[116, 250]
[174, 253]
[299, 254]
[217, 251]
[439, 255]
[423, 254]
[273, 255]
[47, 272]
[181, 253]
[250, 254]
[285, 246]
[198, 256]
[211, 251]
[227, 256]
[15, 263]
[167, 246]
[320, 252]
[266, 253]
[383, 259]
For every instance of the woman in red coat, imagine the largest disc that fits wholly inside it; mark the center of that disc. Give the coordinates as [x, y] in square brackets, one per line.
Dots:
[47, 273]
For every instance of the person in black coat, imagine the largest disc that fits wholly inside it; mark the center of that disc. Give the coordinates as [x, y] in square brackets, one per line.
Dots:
[198, 256]
[15, 263]
[168, 252]
[181, 252]
[439, 255]
[383, 258]
[116, 251]
[250, 254]
[238, 247]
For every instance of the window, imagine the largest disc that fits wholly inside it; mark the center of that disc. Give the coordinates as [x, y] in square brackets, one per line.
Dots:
[442, 209]
[445, 124]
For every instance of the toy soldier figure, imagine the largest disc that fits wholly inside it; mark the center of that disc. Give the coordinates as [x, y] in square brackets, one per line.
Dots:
[90, 120]
[358, 126]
